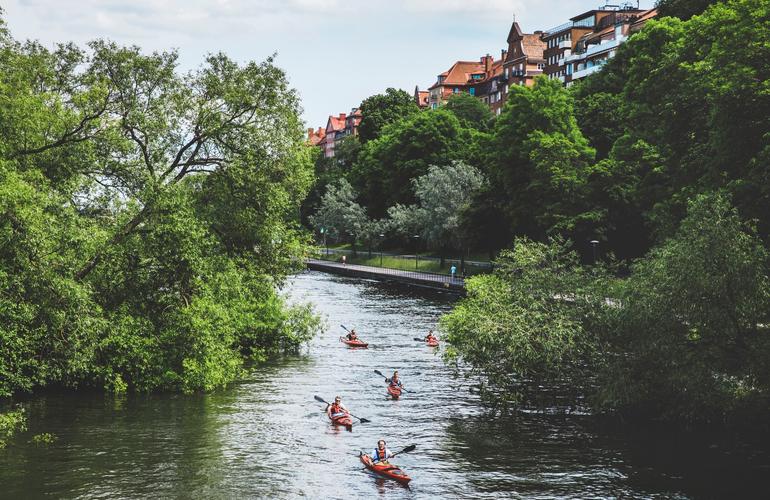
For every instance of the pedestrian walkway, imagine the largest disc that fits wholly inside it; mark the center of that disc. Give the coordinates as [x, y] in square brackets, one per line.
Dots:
[432, 280]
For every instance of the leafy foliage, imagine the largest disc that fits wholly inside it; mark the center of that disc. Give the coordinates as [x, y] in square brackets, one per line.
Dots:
[11, 422]
[404, 151]
[443, 194]
[533, 323]
[692, 340]
[471, 112]
[146, 217]
[380, 110]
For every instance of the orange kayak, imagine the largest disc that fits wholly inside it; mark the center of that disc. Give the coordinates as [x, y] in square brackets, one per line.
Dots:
[353, 343]
[394, 391]
[432, 343]
[342, 420]
[385, 469]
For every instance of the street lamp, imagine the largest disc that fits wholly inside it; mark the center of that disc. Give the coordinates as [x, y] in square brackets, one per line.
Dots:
[381, 237]
[416, 256]
[593, 245]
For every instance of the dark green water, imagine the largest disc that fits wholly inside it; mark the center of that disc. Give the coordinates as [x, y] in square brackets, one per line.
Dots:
[266, 437]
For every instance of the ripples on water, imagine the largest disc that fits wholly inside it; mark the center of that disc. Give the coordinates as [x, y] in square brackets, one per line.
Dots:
[267, 437]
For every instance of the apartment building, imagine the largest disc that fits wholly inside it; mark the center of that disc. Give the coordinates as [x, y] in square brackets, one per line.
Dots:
[561, 40]
[337, 128]
[523, 60]
[594, 49]
[464, 76]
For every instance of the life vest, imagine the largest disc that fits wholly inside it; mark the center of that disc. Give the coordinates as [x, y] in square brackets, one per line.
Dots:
[395, 383]
[377, 457]
[335, 408]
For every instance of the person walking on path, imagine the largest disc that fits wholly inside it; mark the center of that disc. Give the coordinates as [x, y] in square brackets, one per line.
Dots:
[343, 260]
[453, 271]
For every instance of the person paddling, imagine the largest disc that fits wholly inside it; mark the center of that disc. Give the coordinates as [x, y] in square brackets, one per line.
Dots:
[336, 409]
[352, 335]
[381, 453]
[430, 337]
[395, 381]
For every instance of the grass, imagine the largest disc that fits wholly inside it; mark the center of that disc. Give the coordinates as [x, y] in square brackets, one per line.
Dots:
[390, 262]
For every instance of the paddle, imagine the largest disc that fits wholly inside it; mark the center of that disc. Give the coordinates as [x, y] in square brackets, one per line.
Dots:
[321, 400]
[409, 448]
[419, 340]
[378, 372]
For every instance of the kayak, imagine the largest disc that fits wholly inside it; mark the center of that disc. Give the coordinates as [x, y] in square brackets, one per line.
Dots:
[385, 469]
[432, 343]
[394, 391]
[353, 343]
[342, 420]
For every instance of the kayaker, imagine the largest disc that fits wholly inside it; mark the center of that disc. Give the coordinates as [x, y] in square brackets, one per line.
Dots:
[352, 335]
[394, 380]
[381, 453]
[336, 409]
[430, 337]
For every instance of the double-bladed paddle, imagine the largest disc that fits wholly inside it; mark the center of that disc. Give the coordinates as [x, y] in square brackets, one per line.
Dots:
[378, 372]
[321, 400]
[409, 448]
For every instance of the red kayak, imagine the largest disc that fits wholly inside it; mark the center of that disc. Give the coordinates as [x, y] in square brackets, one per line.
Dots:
[353, 343]
[343, 420]
[385, 469]
[432, 343]
[394, 391]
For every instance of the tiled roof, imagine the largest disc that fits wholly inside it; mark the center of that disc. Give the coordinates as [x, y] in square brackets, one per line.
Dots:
[533, 46]
[460, 72]
[337, 123]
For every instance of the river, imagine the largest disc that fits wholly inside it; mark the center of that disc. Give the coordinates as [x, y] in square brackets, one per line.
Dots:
[266, 437]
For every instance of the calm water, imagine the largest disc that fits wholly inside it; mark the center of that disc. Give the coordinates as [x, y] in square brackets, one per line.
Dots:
[267, 437]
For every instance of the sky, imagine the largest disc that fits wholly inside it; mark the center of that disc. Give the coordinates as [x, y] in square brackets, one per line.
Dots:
[335, 52]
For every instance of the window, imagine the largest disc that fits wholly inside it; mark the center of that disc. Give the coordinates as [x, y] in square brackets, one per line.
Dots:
[455, 90]
[472, 91]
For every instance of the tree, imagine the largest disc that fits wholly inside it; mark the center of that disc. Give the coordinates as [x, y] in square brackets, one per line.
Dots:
[340, 216]
[471, 112]
[380, 110]
[530, 326]
[541, 161]
[683, 9]
[692, 118]
[147, 217]
[691, 339]
[387, 165]
[443, 194]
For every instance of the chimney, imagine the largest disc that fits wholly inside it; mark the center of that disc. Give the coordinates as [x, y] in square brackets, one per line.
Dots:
[503, 54]
[343, 116]
[487, 60]
[309, 133]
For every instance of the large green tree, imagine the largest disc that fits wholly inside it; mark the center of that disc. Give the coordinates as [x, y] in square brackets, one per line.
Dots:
[541, 162]
[405, 150]
[380, 110]
[147, 217]
[471, 111]
[443, 194]
[691, 340]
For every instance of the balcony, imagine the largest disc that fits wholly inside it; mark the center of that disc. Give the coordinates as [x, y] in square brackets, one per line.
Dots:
[596, 49]
[565, 44]
[585, 72]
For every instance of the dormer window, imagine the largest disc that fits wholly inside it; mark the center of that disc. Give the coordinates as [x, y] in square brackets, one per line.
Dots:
[477, 76]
